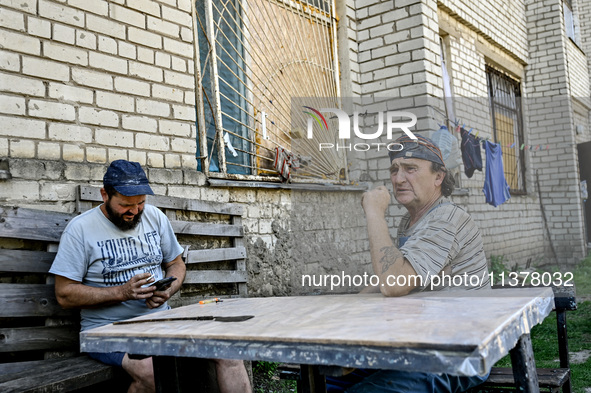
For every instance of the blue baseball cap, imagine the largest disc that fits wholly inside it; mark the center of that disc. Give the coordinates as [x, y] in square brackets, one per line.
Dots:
[127, 178]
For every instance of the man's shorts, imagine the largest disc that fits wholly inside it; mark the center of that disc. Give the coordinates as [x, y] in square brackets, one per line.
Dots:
[409, 382]
[111, 358]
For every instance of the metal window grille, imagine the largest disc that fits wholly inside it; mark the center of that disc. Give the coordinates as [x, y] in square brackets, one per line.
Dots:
[254, 57]
[505, 103]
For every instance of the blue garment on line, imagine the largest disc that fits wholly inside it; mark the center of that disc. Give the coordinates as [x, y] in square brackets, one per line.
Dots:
[470, 153]
[496, 189]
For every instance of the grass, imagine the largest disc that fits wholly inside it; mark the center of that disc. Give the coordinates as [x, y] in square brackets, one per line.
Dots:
[266, 379]
[544, 339]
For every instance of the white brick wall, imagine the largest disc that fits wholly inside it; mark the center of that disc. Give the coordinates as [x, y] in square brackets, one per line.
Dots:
[86, 82]
[69, 69]
[398, 55]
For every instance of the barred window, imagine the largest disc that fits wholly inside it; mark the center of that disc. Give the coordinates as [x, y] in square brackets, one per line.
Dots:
[254, 57]
[505, 104]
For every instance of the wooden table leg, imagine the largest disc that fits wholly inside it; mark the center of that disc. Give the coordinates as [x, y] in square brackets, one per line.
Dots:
[180, 374]
[166, 374]
[524, 366]
[311, 379]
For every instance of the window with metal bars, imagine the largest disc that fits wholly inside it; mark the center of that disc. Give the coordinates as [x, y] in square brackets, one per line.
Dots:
[254, 58]
[504, 95]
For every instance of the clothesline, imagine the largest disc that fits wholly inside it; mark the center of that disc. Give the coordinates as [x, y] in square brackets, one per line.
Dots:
[459, 129]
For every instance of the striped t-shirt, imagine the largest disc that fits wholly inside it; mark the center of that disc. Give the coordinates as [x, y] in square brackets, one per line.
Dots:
[445, 242]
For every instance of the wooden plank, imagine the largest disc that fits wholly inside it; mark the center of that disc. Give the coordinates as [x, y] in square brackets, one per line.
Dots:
[241, 263]
[20, 223]
[73, 373]
[207, 229]
[30, 300]
[524, 365]
[217, 254]
[24, 261]
[215, 276]
[17, 367]
[89, 193]
[547, 377]
[39, 338]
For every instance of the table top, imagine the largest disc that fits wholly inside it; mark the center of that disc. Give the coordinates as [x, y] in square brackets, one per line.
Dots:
[459, 332]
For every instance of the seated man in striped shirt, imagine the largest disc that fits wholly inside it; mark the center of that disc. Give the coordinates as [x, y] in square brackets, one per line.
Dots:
[437, 243]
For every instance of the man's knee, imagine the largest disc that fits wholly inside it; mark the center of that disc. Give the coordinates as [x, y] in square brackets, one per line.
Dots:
[229, 363]
[140, 370]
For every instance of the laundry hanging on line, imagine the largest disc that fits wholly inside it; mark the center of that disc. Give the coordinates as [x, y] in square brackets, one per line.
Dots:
[496, 189]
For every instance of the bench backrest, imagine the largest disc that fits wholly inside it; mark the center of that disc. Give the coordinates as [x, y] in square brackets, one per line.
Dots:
[32, 324]
[212, 235]
[31, 320]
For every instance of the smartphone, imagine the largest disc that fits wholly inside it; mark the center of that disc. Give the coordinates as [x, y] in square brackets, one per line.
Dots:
[163, 284]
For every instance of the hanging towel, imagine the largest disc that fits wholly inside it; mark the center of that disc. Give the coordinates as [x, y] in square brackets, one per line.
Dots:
[496, 189]
[471, 155]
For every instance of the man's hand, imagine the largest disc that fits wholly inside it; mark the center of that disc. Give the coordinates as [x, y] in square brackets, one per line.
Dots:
[158, 298]
[134, 288]
[175, 268]
[376, 201]
[74, 294]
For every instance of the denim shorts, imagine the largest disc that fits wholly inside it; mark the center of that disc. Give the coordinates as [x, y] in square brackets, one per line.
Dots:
[111, 358]
[395, 381]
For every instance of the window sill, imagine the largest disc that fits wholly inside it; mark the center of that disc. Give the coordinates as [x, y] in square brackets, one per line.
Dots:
[287, 186]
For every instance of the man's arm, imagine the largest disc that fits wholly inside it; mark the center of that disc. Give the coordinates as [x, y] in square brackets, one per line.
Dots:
[386, 258]
[175, 268]
[74, 294]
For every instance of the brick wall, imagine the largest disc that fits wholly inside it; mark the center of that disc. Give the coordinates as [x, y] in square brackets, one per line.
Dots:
[514, 229]
[551, 119]
[83, 83]
[95, 81]
[501, 22]
[399, 58]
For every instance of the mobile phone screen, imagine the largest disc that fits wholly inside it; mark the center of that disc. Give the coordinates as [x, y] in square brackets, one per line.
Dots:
[163, 283]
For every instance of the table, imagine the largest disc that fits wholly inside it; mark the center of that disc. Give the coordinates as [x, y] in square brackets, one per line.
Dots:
[459, 332]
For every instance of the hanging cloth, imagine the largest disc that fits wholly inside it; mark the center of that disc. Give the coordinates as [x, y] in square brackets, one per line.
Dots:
[448, 144]
[496, 189]
[471, 155]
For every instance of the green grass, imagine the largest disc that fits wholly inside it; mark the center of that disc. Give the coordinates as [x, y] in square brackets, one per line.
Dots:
[266, 379]
[544, 340]
[583, 278]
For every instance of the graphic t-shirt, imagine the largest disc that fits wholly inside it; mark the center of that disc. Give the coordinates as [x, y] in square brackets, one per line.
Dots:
[96, 253]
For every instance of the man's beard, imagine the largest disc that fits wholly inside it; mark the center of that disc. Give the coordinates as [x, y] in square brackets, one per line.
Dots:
[120, 222]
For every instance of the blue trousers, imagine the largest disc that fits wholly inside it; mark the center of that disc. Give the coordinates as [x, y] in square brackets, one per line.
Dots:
[401, 382]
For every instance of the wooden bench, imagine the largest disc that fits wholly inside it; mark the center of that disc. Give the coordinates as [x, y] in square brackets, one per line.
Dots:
[39, 351]
[213, 237]
[549, 379]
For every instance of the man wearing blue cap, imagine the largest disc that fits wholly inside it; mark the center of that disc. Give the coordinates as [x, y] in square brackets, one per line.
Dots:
[436, 238]
[108, 258]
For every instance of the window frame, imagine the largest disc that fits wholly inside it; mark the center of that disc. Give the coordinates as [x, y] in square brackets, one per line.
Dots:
[519, 138]
[569, 20]
[204, 156]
